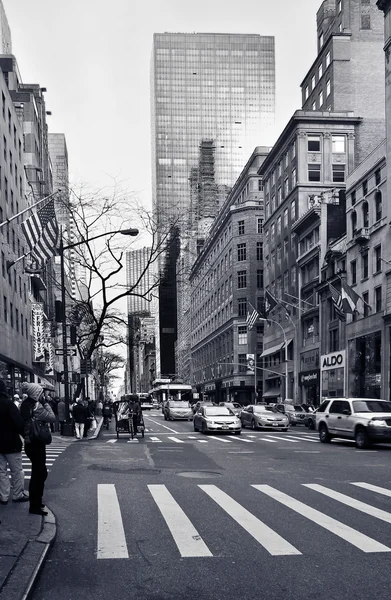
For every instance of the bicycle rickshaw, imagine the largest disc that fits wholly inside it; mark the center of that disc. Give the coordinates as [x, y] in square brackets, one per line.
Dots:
[123, 414]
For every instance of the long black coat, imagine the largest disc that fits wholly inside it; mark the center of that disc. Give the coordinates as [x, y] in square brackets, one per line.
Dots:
[11, 426]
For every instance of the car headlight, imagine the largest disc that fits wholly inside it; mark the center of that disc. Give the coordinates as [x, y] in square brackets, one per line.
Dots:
[209, 422]
[378, 423]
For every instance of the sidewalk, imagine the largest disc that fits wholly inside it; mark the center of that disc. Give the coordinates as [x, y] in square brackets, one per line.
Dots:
[25, 540]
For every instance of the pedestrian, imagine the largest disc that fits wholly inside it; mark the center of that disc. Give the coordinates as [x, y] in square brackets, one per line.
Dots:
[80, 417]
[135, 411]
[34, 406]
[11, 428]
[61, 415]
[89, 415]
[99, 407]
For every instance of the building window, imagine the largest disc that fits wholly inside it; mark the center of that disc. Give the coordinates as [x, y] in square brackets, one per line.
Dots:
[320, 99]
[353, 219]
[306, 92]
[365, 187]
[242, 307]
[3, 264]
[353, 197]
[242, 360]
[259, 251]
[353, 272]
[5, 307]
[242, 335]
[286, 247]
[314, 105]
[377, 259]
[21, 324]
[313, 82]
[293, 276]
[334, 340]
[260, 185]
[242, 252]
[242, 280]
[320, 71]
[321, 39]
[286, 187]
[286, 217]
[279, 196]
[278, 225]
[279, 253]
[365, 298]
[241, 227]
[259, 225]
[338, 144]
[259, 279]
[365, 21]
[364, 265]
[11, 314]
[313, 172]
[378, 303]
[365, 214]
[328, 88]
[17, 319]
[338, 173]
[313, 143]
[293, 211]
[328, 59]
[377, 177]
[378, 205]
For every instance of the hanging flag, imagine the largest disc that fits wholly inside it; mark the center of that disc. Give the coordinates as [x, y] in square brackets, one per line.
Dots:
[349, 297]
[270, 302]
[337, 301]
[252, 318]
[42, 233]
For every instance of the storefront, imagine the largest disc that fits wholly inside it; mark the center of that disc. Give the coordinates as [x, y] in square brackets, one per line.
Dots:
[365, 358]
[309, 384]
[13, 376]
[333, 373]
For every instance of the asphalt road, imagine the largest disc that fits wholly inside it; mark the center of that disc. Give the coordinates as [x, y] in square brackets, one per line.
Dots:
[176, 516]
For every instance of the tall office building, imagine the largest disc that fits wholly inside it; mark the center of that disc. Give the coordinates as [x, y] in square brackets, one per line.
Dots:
[141, 276]
[5, 32]
[218, 87]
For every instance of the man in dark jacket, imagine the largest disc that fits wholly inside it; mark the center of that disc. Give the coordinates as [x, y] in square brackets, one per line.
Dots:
[79, 413]
[11, 427]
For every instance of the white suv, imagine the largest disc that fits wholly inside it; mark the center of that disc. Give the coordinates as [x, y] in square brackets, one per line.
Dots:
[365, 420]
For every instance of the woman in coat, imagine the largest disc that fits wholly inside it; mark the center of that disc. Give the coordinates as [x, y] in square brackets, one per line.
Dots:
[36, 405]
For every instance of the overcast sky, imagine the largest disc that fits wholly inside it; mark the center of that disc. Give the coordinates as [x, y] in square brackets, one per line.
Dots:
[93, 57]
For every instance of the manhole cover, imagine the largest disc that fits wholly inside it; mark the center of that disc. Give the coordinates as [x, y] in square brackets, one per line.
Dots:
[199, 474]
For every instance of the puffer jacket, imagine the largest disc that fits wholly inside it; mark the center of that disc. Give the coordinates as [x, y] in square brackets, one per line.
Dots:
[31, 407]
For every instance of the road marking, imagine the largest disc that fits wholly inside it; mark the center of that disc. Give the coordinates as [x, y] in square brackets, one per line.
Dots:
[267, 440]
[134, 441]
[177, 440]
[354, 537]
[192, 437]
[307, 451]
[154, 439]
[202, 441]
[269, 539]
[111, 441]
[293, 437]
[240, 451]
[234, 437]
[352, 502]
[222, 440]
[161, 425]
[111, 534]
[372, 488]
[186, 537]
[284, 439]
[252, 436]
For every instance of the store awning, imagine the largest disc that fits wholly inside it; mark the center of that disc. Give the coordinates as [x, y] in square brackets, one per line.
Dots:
[272, 350]
[272, 393]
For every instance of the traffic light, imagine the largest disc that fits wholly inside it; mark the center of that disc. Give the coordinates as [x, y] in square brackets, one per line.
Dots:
[73, 335]
[58, 311]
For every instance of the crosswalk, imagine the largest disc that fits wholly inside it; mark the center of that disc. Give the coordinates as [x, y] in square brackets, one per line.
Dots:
[52, 452]
[227, 439]
[259, 524]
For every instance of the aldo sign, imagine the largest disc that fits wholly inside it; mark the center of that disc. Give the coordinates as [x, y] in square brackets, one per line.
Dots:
[334, 360]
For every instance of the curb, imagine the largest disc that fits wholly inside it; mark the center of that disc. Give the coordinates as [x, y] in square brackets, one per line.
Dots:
[23, 576]
[97, 431]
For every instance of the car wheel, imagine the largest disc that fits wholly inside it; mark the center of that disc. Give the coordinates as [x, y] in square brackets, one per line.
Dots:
[293, 424]
[194, 426]
[286, 429]
[165, 417]
[243, 425]
[311, 424]
[362, 439]
[253, 425]
[324, 435]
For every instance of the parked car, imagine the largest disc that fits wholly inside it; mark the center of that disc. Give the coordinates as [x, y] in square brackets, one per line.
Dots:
[211, 419]
[295, 413]
[365, 420]
[234, 406]
[263, 416]
[196, 407]
[177, 409]
[310, 418]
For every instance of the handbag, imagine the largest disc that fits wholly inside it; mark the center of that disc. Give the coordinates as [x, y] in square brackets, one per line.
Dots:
[39, 431]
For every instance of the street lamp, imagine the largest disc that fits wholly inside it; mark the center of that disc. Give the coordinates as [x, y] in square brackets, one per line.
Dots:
[131, 232]
[286, 351]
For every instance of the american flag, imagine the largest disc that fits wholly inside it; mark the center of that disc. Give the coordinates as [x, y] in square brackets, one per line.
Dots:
[251, 318]
[337, 301]
[42, 233]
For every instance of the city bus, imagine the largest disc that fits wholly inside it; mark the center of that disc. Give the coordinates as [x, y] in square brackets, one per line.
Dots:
[168, 390]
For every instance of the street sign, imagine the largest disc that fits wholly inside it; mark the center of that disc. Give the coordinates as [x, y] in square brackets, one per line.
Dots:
[70, 352]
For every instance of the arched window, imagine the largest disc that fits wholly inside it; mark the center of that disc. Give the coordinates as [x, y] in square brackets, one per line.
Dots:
[378, 205]
[354, 222]
[365, 214]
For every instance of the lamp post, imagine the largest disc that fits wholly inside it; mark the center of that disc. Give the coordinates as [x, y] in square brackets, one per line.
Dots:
[286, 351]
[131, 232]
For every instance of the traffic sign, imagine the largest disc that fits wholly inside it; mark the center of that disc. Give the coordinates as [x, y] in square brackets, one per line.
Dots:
[70, 351]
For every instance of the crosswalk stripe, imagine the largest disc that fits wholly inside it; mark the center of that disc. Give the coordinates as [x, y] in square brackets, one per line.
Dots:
[175, 439]
[352, 502]
[267, 440]
[284, 439]
[188, 541]
[133, 441]
[220, 439]
[234, 437]
[154, 439]
[111, 534]
[354, 537]
[372, 488]
[111, 441]
[269, 539]
[294, 437]
[202, 441]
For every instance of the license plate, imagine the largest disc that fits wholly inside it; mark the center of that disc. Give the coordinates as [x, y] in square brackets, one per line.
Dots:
[225, 427]
[275, 424]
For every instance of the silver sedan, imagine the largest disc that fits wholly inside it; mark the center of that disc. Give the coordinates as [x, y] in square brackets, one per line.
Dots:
[211, 419]
[261, 416]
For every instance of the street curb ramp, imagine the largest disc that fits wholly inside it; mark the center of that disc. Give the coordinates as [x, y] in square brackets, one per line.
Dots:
[23, 576]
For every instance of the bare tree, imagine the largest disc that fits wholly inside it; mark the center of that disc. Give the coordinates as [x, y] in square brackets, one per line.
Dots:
[105, 365]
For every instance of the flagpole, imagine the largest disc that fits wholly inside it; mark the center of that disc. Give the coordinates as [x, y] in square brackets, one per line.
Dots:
[11, 263]
[7, 221]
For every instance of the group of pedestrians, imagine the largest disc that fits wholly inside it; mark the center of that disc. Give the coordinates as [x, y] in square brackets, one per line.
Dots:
[83, 414]
[26, 424]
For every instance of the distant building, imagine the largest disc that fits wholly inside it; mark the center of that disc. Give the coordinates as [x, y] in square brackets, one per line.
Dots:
[140, 275]
[5, 32]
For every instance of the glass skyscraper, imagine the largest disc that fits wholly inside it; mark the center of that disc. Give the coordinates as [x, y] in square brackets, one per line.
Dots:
[204, 86]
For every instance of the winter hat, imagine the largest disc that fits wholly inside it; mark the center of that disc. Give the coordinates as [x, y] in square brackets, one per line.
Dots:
[3, 389]
[33, 390]
[16, 397]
